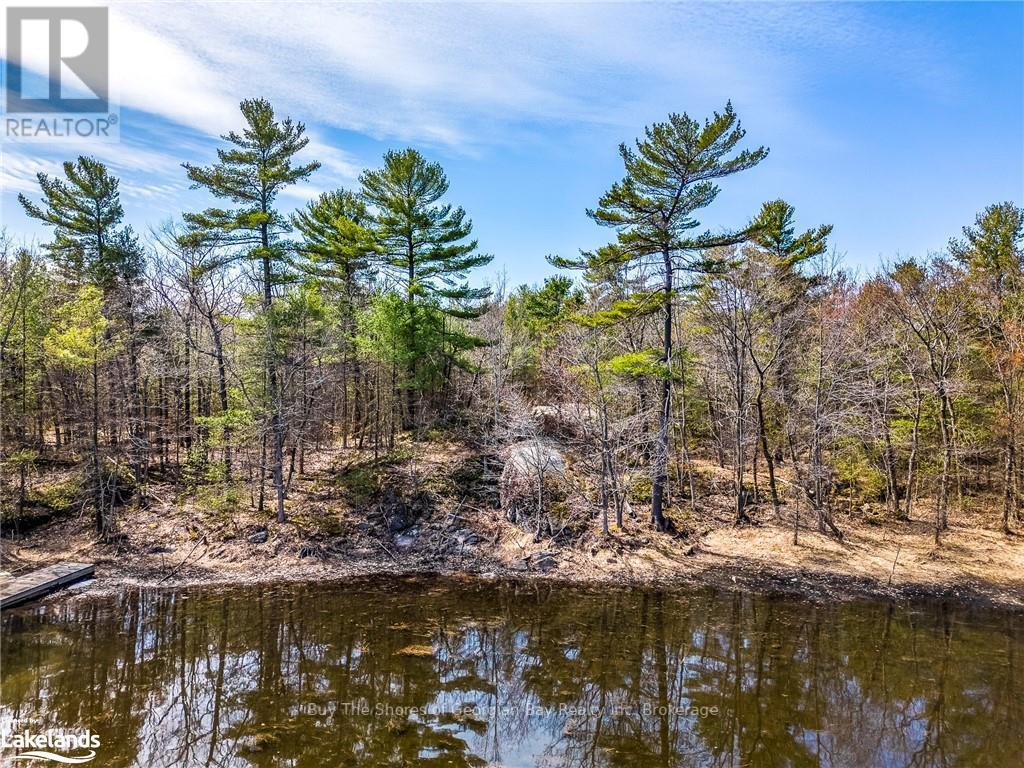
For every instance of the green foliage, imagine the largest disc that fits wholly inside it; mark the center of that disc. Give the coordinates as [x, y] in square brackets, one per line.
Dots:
[236, 421]
[84, 211]
[540, 312]
[59, 496]
[639, 489]
[363, 482]
[424, 246]
[217, 497]
[533, 319]
[670, 175]
[384, 330]
[421, 357]
[993, 245]
[76, 339]
[646, 363]
[250, 172]
[339, 239]
[774, 231]
[27, 307]
[855, 471]
[299, 317]
[424, 242]
[24, 457]
[630, 308]
[194, 470]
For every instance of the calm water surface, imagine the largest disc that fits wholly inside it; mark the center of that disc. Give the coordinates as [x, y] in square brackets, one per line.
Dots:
[442, 673]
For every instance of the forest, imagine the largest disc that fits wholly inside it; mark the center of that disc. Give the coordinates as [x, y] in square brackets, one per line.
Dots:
[230, 352]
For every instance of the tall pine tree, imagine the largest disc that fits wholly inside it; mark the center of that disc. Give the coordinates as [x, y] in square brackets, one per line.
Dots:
[993, 253]
[84, 210]
[91, 250]
[426, 248]
[250, 173]
[339, 246]
[772, 267]
[670, 176]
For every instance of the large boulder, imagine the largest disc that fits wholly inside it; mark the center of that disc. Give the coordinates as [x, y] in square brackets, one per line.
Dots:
[532, 458]
[533, 479]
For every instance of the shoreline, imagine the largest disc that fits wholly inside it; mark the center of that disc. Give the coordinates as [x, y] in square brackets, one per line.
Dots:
[174, 545]
[818, 586]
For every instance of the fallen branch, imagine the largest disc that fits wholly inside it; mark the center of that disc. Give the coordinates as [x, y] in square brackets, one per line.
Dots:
[200, 540]
[899, 546]
[381, 545]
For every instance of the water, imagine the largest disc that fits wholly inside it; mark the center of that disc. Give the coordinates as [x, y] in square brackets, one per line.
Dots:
[444, 673]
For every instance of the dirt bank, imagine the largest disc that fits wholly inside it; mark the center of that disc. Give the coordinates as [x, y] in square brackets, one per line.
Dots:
[972, 565]
[347, 522]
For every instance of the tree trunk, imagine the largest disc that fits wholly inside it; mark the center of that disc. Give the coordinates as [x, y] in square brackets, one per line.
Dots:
[912, 460]
[659, 468]
[222, 393]
[97, 465]
[769, 460]
[942, 504]
[1010, 459]
[274, 384]
[739, 461]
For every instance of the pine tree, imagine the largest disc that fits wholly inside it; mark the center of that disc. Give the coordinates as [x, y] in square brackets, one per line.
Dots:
[533, 318]
[84, 211]
[670, 176]
[339, 240]
[251, 173]
[773, 273]
[339, 246]
[26, 290]
[91, 250]
[425, 247]
[993, 253]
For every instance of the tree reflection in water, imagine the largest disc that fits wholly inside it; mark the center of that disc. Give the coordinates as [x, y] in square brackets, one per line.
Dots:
[519, 675]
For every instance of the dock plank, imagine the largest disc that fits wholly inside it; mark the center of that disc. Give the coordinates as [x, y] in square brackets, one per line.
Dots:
[31, 586]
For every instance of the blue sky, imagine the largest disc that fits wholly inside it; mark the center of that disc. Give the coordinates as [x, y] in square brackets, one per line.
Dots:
[896, 123]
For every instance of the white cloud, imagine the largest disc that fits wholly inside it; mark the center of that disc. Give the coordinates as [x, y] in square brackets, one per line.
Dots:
[473, 74]
[334, 162]
[18, 172]
[464, 75]
[159, 75]
[467, 77]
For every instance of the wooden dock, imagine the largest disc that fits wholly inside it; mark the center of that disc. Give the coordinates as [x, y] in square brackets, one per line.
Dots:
[31, 586]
